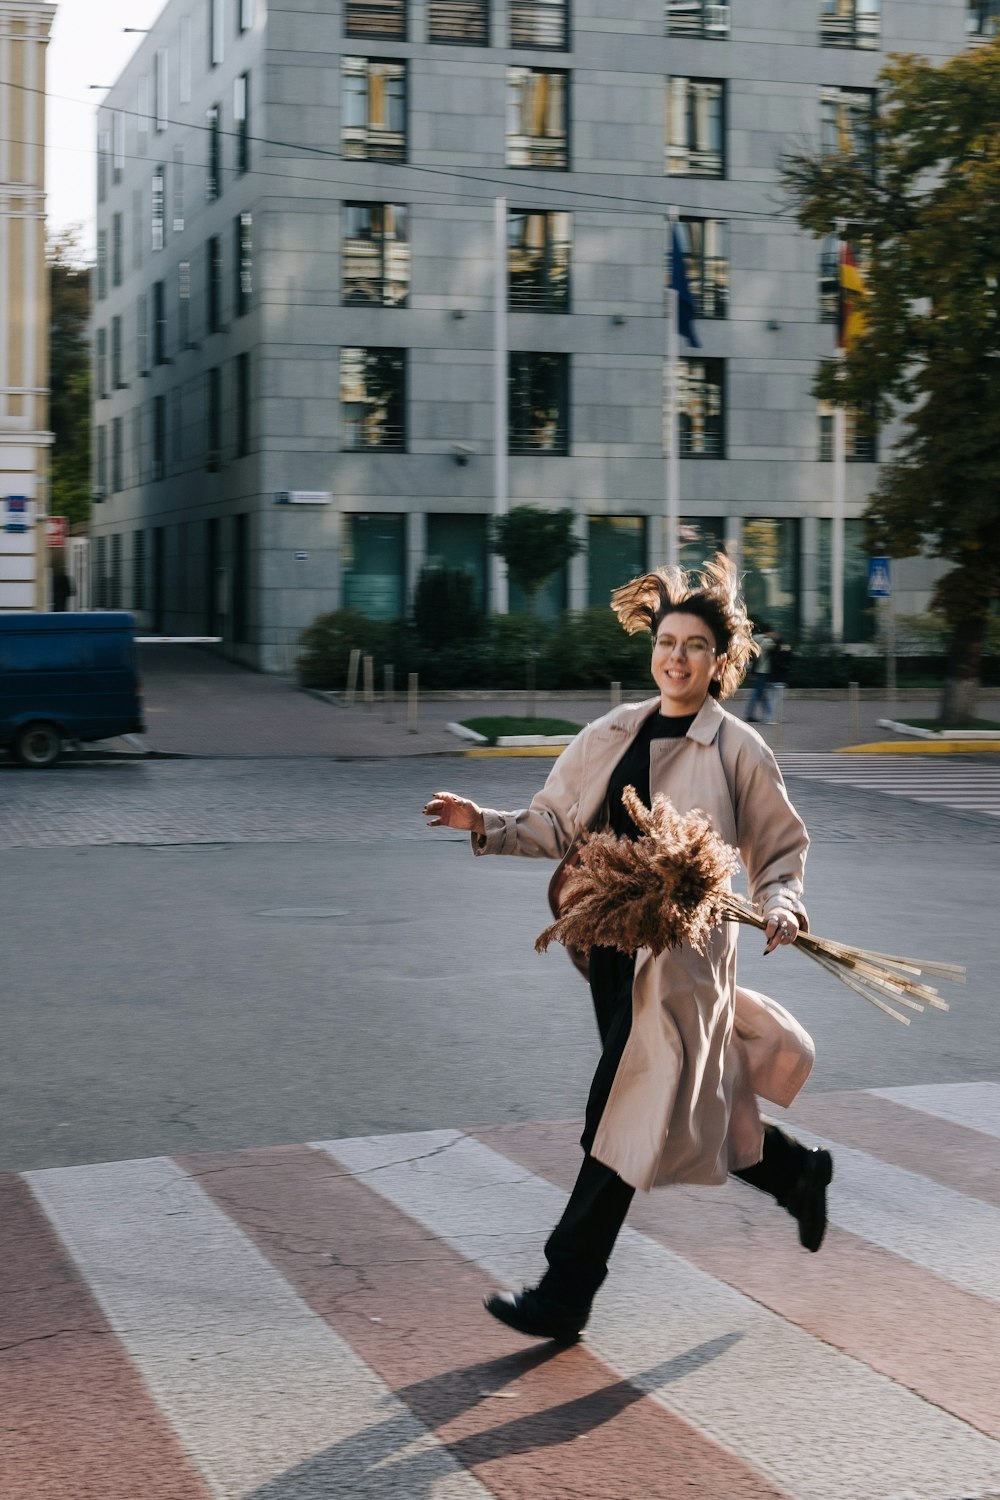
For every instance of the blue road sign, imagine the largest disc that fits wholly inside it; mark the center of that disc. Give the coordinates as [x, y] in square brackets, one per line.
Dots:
[879, 580]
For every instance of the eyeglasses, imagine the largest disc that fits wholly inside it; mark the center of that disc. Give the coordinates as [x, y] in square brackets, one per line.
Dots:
[695, 650]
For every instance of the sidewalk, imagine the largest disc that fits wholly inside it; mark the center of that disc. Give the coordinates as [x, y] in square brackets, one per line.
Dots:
[199, 705]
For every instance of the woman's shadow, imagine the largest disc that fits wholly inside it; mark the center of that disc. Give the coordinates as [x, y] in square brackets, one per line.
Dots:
[372, 1464]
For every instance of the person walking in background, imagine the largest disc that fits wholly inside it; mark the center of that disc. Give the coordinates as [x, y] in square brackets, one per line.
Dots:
[760, 695]
[781, 661]
[685, 1050]
[62, 589]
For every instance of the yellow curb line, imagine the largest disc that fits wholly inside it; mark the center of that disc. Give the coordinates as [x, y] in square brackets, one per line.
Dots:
[923, 747]
[494, 750]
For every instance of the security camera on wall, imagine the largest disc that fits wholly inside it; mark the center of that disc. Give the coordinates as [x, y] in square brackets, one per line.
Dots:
[461, 452]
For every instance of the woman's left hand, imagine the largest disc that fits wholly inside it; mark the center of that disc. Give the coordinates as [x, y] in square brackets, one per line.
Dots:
[782, 929]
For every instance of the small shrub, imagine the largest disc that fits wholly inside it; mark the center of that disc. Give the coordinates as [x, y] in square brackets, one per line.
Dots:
[325, 646]
[445, 610]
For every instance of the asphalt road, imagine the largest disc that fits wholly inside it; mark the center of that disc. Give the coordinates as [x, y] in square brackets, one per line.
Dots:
[208, 955]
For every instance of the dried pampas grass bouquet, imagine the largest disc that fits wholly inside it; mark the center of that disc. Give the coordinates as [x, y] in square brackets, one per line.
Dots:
[671, 886]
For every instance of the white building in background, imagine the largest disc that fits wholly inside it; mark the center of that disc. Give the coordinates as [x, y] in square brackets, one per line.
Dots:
[295, 326]
[24, 305]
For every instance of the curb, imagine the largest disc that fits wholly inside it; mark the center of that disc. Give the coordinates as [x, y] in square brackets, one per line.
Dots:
[496, 750]
[923, 747]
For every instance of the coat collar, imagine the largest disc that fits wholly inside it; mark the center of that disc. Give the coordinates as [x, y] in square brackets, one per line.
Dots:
[629, 718]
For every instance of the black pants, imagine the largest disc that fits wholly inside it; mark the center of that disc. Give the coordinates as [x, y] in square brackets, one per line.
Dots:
[579, 1247]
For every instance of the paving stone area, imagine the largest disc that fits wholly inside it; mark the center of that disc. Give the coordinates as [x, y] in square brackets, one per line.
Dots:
[291, 801]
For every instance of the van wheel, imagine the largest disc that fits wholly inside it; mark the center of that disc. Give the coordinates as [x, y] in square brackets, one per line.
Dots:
[37, 745]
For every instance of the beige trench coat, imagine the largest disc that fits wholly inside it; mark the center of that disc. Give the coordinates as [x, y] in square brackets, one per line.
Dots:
[682, 1105]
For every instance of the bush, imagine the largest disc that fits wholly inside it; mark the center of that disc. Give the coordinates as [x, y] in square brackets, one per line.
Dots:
[590, 649]
[445, 610]
[325, 646]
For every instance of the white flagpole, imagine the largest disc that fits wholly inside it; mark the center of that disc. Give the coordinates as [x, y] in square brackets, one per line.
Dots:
[499, 590]
[672, 517]
[839, 486]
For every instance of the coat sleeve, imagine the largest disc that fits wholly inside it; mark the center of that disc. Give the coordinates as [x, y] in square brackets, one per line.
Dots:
[772, 838]
[547, 827]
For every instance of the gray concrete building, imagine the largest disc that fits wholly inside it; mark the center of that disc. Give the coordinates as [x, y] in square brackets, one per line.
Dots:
[295, 324]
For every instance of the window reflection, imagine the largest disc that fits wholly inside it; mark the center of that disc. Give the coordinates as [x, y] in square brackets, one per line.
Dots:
[700, 408]
[538, 259]
[538, 394]
[373, 398]
[850, 23]
[373, 105]
[536, 118]
[847, 123]
[705, 245]
[695, 127]
[462, 22]
[376, 254]
[539, 23]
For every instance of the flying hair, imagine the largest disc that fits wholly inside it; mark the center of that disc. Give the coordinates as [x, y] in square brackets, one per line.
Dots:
[712, 593]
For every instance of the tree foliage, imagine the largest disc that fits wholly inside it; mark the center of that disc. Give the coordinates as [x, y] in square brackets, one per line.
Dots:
[534, 544]
[69, 377]
[929, 216]
[445, 610]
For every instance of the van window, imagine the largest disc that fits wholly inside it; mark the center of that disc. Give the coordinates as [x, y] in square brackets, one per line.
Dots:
[48, 652]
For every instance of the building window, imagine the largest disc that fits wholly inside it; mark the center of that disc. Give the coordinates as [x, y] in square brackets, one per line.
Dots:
[376, 254]
[616, 551]
[103, 156]
[138, 570]
[241, 120]
[696, 127]
[538, 259]
[829, 279]
[982, 19]
[455, 541]
[160, 89]
[216, 32]
[245, 14]
[213, 455]
[142, 335]
[861, 437]
[142, 110]
[102, 264]
[115, 599]
[850, 23]
[184, 304]
[860, 611]
[385, 19]
[540, 23]
[160, 323]
[213, 183]
[770, 555]
[697, 18]
[701, 410]
[242, 374]
[465, 23]
[101, 471]
[374, 109]
[177, 425]
[101, 364]
[373, 398]
[118, 144]
[116, 455]
[847, 124]
[184, 80]
[158, 208]
[177, 214]
[705, 245]
[537, 123]
[117, 383]
[374, 557]
[138, 452]
[138, 228]
[117, 250]
[213, 268]
[159, 437]
[538, 403]
[700, 538]
[243, 267]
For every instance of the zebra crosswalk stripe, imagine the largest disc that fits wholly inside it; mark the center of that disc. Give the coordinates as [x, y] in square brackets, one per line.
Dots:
[306, 1321]
[960, 786]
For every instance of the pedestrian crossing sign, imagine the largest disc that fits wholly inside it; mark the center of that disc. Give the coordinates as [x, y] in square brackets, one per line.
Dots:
[879, 583]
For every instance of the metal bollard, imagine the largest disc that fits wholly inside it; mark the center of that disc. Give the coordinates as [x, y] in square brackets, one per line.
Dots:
[353, 662]
[412, 693]
[854, 699]
[616, 694]
[389, 693]
[368, 663]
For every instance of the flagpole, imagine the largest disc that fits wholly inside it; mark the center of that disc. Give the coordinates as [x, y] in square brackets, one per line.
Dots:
[839, 475]
[672, 517]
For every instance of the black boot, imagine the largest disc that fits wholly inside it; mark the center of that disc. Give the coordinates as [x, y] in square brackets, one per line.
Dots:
[538, 1317]
[806, 1201]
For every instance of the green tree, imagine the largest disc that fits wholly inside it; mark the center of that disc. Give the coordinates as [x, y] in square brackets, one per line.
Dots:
[69, 377]
[534, 544]
[928, 211]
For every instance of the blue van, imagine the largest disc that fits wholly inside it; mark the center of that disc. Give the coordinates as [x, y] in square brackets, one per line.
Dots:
[66, 677]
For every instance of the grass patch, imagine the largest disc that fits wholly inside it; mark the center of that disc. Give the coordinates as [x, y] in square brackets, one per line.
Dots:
[963, 724]
[493, 726]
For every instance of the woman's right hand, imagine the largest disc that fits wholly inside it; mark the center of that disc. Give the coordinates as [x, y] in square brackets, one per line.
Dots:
[448, 810]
